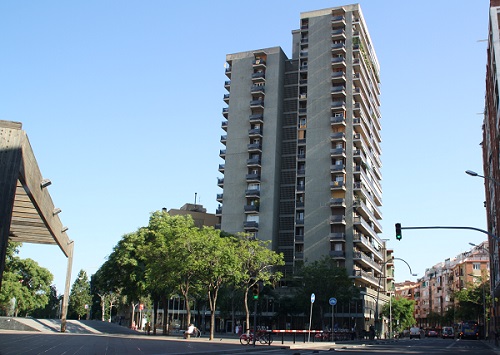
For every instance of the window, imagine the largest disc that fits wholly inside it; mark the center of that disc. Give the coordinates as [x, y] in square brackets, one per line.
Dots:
[476, 266]
[338, 247]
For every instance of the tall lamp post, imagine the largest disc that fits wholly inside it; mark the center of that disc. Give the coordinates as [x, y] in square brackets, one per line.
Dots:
[493, 264]
[378, 289]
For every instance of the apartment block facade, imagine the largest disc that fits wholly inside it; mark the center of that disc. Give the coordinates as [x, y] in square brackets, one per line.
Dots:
[302, 148]
[433, 292]
[491, 152]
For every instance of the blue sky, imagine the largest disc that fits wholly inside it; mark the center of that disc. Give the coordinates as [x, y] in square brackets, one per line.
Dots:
[122, 102]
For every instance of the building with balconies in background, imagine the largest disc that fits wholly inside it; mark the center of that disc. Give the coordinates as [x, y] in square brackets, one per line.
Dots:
[302, 148]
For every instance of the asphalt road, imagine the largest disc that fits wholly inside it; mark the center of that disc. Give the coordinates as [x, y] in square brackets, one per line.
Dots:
[13, 342]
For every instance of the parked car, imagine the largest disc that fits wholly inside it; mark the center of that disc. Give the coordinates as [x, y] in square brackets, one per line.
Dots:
[448, 332]
[432, 334]
[415, 332]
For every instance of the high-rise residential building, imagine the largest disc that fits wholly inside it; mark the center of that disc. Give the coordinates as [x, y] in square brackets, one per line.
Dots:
[491, 154]
[302, 147]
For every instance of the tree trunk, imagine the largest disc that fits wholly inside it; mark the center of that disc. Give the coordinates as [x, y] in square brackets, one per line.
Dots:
[247, 312]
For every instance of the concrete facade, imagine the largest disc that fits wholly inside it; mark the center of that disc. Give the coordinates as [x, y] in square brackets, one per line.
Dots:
[302, 154]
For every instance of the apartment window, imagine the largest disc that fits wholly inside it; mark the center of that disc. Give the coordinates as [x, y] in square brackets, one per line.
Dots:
[338, 246]
[302, 122]
[476, 266]
[253, 186]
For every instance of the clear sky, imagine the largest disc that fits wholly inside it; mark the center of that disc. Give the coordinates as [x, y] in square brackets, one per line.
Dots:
[122, 102]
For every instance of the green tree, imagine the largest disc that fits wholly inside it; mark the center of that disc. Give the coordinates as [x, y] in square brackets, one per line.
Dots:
[258, 263]
[325, 280]
[402, 313]
[219, 264]
[51, 309]
[470, 301]
[123, 273]
[25, 284]
[80, 297]
[174, 250]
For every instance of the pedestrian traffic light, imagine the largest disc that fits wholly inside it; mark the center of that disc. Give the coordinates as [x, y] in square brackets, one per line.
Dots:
[255, 291]
[399, 235]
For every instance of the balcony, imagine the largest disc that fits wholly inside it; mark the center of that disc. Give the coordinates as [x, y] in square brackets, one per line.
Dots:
[337, 185]
[337, 136]
[337, 202]
[299, 255]
[337, 219]
[299, 204]
[299, 221]
[337, 47]
[226, 98]
[220, 182]
[222, 153]
[256, 118]
[258, 77]
[221, 168]
[301, 172]
[258, 89]
[337, 152]
[223, 139]
[225, 111]
[254, 147]
[338, 76]
[253, 177]
[368, 276]
[338, 105]
[252, 193]
[337, 237]
[255, 132]
[257, 104]
[250, 225]
[251, 208]
[365, 260]
[337, 168]
[227, 84]
[228, 72]
[338, 20]
[219, 198]
[253, 161]
[299, 238]
[304, 40]
[337, 254]
[218, 211]
[303, 54]
[337, 121]
[259, 63]
[338, 62]
[224, 125]
[301, 156]
[301, 187]
[336, 90]
[338, 33]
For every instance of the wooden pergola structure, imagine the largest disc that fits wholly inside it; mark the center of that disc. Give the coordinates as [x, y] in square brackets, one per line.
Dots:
[27, 213]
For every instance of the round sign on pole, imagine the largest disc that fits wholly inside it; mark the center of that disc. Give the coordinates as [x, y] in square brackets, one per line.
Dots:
[313, 297]
[333, 301]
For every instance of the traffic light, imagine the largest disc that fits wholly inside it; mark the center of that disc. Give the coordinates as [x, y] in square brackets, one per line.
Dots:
[255, 291]
[399, 235]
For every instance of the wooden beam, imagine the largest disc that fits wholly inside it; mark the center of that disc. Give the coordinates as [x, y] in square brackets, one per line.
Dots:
[10, 162]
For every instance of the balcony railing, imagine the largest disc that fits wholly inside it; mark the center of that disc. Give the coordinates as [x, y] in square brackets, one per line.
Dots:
[251, 208]
[254, 146]
[337, 202]
[250, 224]
[335, 219]
[253, 161]
[256, 118]
[253, 177]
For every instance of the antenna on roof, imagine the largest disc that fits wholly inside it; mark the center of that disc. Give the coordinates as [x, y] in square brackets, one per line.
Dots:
[195, 198]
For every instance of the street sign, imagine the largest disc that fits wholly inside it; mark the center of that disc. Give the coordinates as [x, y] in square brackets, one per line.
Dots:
[313, 297]
[333, 301]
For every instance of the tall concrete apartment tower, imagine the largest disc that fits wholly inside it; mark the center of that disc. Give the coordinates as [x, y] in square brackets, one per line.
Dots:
[302, 147]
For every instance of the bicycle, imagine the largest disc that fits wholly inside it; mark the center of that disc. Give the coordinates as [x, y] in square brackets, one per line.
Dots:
[261, 337]
[195, 334]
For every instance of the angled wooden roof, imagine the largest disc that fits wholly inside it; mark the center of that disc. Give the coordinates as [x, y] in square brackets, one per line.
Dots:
[35, 219]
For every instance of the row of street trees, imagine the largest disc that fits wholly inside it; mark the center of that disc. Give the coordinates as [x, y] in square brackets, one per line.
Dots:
[173, 256]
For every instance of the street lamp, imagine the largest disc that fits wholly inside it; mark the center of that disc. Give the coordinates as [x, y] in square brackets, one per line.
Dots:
[473, 173]
[378, 289]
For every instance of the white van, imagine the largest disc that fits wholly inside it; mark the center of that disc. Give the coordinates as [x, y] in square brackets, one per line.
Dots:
[415, 332]
[448, 332]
